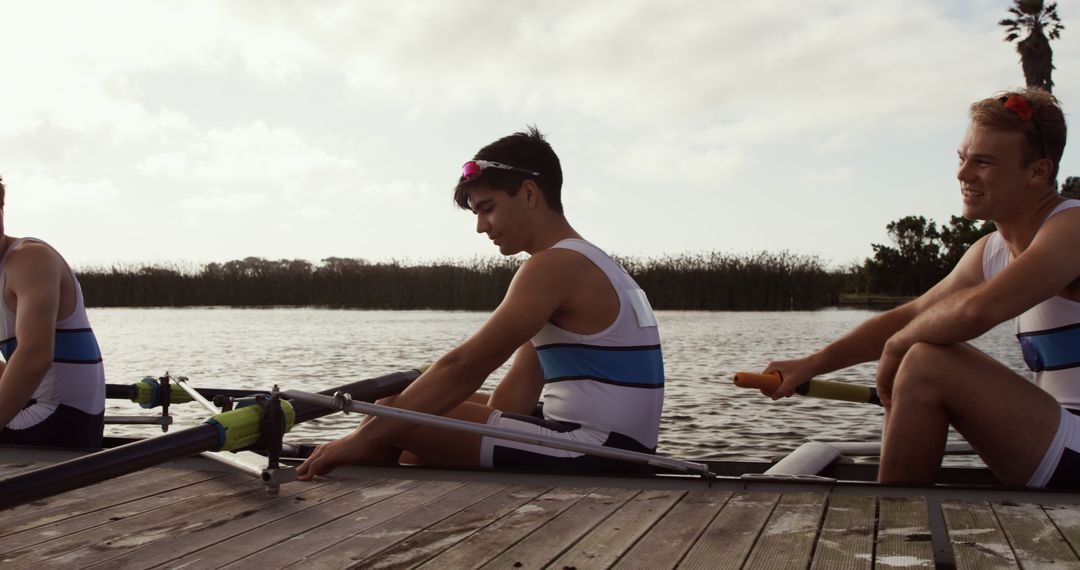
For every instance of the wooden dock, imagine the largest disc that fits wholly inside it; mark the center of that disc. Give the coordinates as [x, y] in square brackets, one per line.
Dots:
[176, 517]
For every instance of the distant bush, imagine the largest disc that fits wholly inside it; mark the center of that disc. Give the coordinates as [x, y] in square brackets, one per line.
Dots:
[709, 281]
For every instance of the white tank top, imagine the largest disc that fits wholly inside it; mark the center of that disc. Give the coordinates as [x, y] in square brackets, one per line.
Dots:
[611, 381]
[1049, 333]
[77, 375]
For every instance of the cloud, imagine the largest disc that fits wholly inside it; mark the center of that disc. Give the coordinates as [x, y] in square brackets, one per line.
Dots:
[37, 192]
[254, 152]
[316, 115]
[216, 200]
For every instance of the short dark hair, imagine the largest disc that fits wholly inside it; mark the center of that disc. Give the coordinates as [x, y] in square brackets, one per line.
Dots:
[526, 150]
[2, 191]
[1044, 130]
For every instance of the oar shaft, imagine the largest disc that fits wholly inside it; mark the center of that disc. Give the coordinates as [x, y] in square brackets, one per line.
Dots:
[132, 457]
[89, 469]
[482, 429]
[131, 392]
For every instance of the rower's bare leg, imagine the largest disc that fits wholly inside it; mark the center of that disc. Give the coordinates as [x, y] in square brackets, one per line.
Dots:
[1007, 419]
[410, 458]
[444, 447]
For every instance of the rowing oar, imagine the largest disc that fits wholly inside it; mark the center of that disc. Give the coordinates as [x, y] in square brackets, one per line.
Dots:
[226, 431]
[147, 392]
[346, 404]
[815, 388]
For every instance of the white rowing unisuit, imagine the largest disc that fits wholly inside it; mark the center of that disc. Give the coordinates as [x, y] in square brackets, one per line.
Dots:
[1049, 335]
[77, 376]
[605, 388]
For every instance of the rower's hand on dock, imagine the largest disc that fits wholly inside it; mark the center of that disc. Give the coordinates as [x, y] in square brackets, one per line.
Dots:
[793, 373]
[329, 456]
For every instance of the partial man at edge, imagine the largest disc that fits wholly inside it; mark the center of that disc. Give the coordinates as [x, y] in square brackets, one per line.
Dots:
[928, 377]
[580, 331]
[52, 384]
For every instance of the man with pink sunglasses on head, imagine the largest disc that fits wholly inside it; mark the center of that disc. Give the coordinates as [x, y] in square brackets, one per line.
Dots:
[929, 377]
[580, 331]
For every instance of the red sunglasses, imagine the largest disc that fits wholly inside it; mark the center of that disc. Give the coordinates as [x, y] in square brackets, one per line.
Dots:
[473, 168]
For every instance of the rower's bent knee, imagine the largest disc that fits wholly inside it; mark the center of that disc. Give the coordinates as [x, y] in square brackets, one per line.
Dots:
[920, 372]
[926, 359]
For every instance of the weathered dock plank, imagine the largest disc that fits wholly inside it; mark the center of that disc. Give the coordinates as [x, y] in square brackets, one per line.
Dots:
[1067, 519]
[1034, 538]
[105, 541]
[492, 540]
[847, 534]
[549, 541]
[228, 522]
[184, 518]
[294, 538]
[70, 520]
[13, 469]
[904, 539]
[79, 504]
[428, 543]
[614, 536]
[788, 537]
[727, 541]
[976, 537]
[373, 540]
[667, 542]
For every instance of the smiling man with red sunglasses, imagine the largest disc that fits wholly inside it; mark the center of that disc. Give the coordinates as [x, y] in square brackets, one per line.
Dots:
[580, 331]
[1027, 430]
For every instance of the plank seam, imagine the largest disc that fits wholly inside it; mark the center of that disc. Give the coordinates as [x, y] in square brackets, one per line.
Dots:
[820, 527]
[1060, 531]
[589, 530]
[704, 527]
[761, 530]
[631, 546]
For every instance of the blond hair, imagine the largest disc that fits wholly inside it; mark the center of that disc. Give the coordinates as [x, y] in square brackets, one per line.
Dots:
[1044, 130]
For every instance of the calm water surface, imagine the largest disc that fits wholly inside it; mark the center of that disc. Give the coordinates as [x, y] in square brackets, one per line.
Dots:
[705, 415]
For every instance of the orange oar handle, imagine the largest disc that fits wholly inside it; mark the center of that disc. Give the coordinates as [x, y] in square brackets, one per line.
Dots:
[760, 381]
[816, 388]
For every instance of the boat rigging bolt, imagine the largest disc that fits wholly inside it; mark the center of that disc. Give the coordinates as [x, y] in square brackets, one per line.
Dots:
[343, 402]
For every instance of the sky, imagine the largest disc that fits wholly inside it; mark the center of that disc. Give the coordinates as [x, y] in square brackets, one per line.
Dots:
[188, 132]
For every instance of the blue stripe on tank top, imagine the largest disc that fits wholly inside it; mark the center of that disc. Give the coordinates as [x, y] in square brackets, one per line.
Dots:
[1052, 349]
[72, 346]
[641, 366]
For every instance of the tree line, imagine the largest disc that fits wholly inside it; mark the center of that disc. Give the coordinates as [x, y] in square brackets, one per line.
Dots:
[707, 281]
[921, 254]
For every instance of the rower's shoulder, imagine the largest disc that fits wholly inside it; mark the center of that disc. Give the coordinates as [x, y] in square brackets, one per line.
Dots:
[33, 255]
[558, 259]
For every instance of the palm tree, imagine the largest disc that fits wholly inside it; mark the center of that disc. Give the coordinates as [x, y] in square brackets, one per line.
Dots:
[1042, 24]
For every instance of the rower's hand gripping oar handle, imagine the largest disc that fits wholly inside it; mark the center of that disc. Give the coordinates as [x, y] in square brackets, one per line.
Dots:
[827, 389]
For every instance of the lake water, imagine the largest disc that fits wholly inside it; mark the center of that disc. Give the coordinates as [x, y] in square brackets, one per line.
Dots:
[705, 415]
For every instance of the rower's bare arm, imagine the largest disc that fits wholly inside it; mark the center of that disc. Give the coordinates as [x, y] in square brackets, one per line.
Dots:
[519, 391]
[1046, 268]
[538, 289]
[865, 342]
[33, 278]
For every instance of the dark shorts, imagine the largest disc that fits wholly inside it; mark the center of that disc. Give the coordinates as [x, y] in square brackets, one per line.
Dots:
[511, 455]
[1067, 472]
[65, 427]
